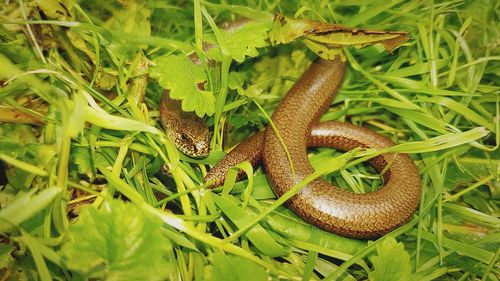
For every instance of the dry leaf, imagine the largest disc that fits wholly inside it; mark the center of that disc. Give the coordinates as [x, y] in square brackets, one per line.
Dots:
[324, 38]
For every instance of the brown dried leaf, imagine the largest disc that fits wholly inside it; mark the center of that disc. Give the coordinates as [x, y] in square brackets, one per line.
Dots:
[286, 30]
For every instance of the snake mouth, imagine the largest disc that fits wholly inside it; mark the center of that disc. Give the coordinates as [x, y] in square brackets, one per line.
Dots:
[189, 146]
[193, 150]
[202, 149]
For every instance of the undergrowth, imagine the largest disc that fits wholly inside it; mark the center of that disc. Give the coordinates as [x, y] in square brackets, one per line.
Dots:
[91, 187]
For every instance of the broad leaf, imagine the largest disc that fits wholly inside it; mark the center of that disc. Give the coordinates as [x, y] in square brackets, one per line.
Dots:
[229, 267]
[183, 78]
[243, 40]
[118, 243]
[392, 262]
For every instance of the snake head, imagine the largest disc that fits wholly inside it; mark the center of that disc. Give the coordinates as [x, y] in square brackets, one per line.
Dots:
[192, 143]
[188, 132]
[190, 135]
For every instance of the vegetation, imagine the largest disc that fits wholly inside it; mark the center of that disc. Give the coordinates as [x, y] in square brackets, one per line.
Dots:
[91, 187]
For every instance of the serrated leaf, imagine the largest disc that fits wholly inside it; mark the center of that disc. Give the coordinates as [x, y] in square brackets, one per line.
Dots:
[80, 157]
[236, 80]
[392, 262]
[229, 267]
[118, 243]
[179, 75]
[243, 40]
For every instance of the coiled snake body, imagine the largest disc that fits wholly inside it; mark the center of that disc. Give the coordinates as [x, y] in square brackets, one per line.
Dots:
[366, 215]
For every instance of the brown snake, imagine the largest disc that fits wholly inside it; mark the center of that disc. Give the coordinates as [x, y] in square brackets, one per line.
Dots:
[189, 133]
[365, 215]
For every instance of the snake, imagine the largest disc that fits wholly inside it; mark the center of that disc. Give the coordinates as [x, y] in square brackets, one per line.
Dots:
[358, 215]
[186, 130]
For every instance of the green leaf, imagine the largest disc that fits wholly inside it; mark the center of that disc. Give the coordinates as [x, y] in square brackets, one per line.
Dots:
[179, 75]
[471, 168]
[229, 267]
[392, 262]
[133, 18]
[79, 42]
[81, 158]
[464, 249]
[469, 114]
[6, 255]
[260, 238]
[77, 117]
[243, 40]
[103, 119]
[55, 9]
[17, 212]
[288, 225]
[244, 119]
[23, 165]
[442, 141]
[246, 12]
[120, 242]
[278, 74]
[17, 140]
[236, 80]
[11, 266]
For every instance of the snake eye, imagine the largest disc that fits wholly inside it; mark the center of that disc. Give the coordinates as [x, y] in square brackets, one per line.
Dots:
[185, 137]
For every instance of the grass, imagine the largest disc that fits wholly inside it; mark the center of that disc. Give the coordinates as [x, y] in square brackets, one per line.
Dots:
[80, 136]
